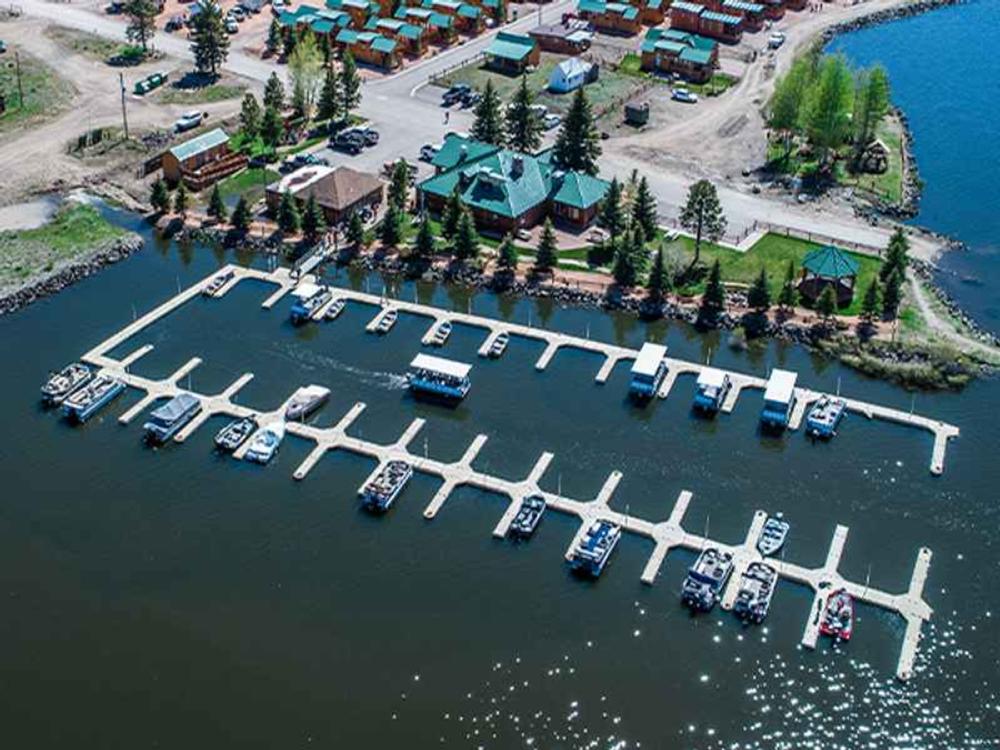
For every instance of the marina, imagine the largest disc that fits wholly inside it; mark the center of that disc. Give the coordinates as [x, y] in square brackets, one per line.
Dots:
[666, 535]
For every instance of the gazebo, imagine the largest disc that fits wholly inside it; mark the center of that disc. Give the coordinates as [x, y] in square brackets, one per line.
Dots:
[828, 266]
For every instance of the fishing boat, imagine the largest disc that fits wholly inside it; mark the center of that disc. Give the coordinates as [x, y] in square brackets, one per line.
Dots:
[305, 401]
[231, 437]
[772, 535]
[594, 550]
[528, 516]
[825, 416]
[335, 309]
[753, 599]
[84, 402]
[265, 442]
[838, 616]
[61, 384]
[387, 322]
[215, 285]
[499, 345]
[308, 304]
[381, 491]
[706, 579]
[165, 421]
[441, 334]
[439, 378]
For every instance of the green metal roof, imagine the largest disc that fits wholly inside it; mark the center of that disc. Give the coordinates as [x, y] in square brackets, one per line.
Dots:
[725, 18]
[347, 36]
[202, 143]
[322, 26]
[383, 44]
[410, 31]
[580, 190]
[830, 262]
[676, 41]
[511, 46]
[453, 4]
[591, 6]
[441, 21]
[469, 11]
[696, 56]
[628, 12]
[743, 5]
[404, 13]
[687, 7]
[456, 149]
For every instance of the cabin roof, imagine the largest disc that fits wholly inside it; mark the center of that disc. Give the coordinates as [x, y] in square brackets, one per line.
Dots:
[648, 361]
[441, 365]
[780, 386]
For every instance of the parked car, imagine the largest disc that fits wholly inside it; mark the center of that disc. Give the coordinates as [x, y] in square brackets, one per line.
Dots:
[428, 151]
[776, 40]
[598, 235]
[301, 160]
[470, 99]
[683, 95]
[114, 8]
[551, 121]
[369, 134]
[231, 26]
[3, 46]
[350, 141]
[390, 166]
[539, 111]
[522, 234]
[278, 7]
[252, 6]
[455, 94]
[238, 13]
[188, 121]
[175, 22]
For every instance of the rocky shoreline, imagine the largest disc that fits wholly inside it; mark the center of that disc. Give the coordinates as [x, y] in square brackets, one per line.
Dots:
[106, 255]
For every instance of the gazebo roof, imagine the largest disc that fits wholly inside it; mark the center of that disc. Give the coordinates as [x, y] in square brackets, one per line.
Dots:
[830, 263]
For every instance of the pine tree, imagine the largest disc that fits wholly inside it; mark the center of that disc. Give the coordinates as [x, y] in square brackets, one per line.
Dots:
[216, 207]
[424, 246]
[644, 209]
[826, 305]
[288, 44]
[759, 296]
[350, 86]
[546, 254]
[827, 112]
[329, 96]
[626, 265]
[702, 214]
[272, 128]
[896, 256]
[399, 185]
[488, 125]
[892, 295]
[714, 298]
[465, 245]
[313, 220]
[786, 299]
[141, 22]
[659, 282]
[241, 218]
[612, 217]
[289, 219]
[273, 37]
[389, 232]
[871, 104]
[578, 145]
[523, 127]
[305, 68]
[786, 105]
[250, 116]
[324, 48]
[871, 302]
[209, 40]
[274, 93]
[452, 214]
[181, 200]
[159, 198]
[507, 255]
[356, 230]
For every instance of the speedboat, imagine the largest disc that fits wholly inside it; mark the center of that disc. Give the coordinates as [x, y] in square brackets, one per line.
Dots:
[216, 284]
[838, 616]
[265, 442]
[231, 437]
[706, 579]
[305, 401]
[825, 416]
[591, 554]
[528, 516]
[335, 309]
[441, 334]
[165, 421]
[381, 491]
[84, 402]
[61, 384]
[757, 586]
[772, 535]
[387, 322]
[499, 345]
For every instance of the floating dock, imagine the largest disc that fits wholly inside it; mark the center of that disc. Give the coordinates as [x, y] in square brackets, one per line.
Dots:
[666, 535]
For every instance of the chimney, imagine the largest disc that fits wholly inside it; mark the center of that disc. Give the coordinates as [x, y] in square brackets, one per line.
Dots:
[517, 167]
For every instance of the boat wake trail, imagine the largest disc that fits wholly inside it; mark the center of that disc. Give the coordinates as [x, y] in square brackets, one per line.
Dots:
[389, 381]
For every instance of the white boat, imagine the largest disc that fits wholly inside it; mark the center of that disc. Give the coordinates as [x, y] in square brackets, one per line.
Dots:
[441, 334]
[499, 345]
[335, 309]
[265, 442]
[305, 401]
[387, 322]
[61, 384]
[773, 535]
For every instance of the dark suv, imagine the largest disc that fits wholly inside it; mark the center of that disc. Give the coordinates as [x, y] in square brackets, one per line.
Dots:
[350, 141]
[455, 94]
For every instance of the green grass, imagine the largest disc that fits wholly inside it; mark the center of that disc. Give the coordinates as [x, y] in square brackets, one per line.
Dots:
[75, 230]
[46, 94]
[631, 65]
[216, 92]
[249, 183]
[84, 43]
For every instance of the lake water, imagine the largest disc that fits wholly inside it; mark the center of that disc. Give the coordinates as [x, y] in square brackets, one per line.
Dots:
[176, 598]
[944, 74]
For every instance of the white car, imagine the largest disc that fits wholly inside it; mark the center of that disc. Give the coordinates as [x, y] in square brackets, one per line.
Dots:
[278, 7]
[775, 40]
[683, 95]
[428, 151]
[231, 26]
[551, 121]
[188, 120]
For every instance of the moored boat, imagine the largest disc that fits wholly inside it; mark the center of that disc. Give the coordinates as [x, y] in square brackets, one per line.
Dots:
[307, 305]
[711, 390]
[825, 416]
[84, 402]
[648, 371]
[335, 309]
[381, 491]
[528, 516]
[215, 285]
[594, 550]
[706, 579]
[61, 384]
[838, 616]
[231, 437]
[499, 345]
[753, 599]
[772, 535]
[165, 421]
[439, 378]
[265, 442]
[305, 401]
[387, 322]
[442, 333]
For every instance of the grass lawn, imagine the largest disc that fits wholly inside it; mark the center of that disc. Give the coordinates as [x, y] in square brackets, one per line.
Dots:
[631, 65]
[215, 92]
[75, 230]
[45, 92]
[84, 43]
[772, 252]
[249, 183]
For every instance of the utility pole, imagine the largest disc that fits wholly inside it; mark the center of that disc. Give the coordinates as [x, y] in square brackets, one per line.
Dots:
[20, 90]
[121, 83]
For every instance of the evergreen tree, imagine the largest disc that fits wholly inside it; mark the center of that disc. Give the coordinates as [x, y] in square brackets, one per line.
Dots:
[399, 185]
[356, 230]
[546, 254]
[216, 207]
[209, 40]
[786, 299]
[626, 264]
[181, 200]
[250, 116]
[141, 22]
[714, 298]
[325, 51]
[289, 219]
[826, 305]
[896, 256]
[465, 245]
[313, 220]
[578, 145]
[892, 295]
[159, 198]
[786, 105]
[389, 231]
[871, 104]
[523, 128]
[272, 128]
[424, 246]
[288, 43]
[241, 217]
[488, 125]
[329, 96]
[507, 255]
[659, 282]
[273, 37]
[305, 68]
[702, 214]
[274, 93]
[644, 209]
[828, 107]
[452, 214]
[501, 12]
[871, 302]
[759, 296]
[350, 86]
[612, 217]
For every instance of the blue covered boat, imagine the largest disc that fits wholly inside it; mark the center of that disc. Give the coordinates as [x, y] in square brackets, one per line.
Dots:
[165, 421]
[648, 371]
[779, 399]
[440, 378]
[824, 417]
[711, 389]
[87, 401]
[594, 549]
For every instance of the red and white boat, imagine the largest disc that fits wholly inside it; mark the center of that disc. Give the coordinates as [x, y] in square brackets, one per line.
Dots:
[838, 616]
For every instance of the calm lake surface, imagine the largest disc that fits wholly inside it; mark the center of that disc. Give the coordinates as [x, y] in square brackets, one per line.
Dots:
[944, 71]
[176, 598]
